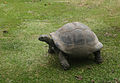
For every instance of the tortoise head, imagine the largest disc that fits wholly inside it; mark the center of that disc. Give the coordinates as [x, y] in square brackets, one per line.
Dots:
[44, 38]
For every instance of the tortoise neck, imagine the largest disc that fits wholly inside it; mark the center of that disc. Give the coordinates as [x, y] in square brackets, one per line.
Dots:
[49, 41]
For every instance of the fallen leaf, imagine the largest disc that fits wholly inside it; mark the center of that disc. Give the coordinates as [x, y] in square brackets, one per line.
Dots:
[114, 35]
[109, 82]
[116, 80]
[5, 2]
[88, 67]
[49, 3]
[113, 71]
[93, 81]
[79, 77]
[107, 34]
[5, 31]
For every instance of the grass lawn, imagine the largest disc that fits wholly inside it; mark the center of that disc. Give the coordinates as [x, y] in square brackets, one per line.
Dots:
[24, 59]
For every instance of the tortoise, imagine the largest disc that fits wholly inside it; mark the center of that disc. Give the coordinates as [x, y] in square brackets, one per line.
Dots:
[74, 40]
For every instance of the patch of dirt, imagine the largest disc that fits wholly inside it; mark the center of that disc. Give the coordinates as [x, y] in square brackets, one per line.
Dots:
[108, 34]
[97, 2]
[82, 3]
[62, 1]
[116, 28]
[113, 29]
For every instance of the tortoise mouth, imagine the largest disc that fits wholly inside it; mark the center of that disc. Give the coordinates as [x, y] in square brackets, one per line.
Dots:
[41, 38]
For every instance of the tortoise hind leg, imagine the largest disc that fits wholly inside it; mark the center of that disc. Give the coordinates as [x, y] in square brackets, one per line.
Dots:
[98, 57]
[63, 61]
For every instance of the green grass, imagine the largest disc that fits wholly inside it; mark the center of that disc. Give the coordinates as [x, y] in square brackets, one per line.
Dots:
[24, 59]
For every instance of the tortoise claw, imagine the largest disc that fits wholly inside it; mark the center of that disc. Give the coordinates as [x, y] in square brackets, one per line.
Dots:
[65, 66]
[99, 61]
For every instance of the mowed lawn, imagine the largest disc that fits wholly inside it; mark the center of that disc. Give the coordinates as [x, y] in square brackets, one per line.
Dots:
[24, 59]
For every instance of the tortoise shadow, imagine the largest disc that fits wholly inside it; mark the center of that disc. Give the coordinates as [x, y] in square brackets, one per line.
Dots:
[74, 62]
[81, 62]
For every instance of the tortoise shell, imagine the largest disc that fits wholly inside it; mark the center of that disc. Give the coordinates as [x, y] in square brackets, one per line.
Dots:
[76, 39]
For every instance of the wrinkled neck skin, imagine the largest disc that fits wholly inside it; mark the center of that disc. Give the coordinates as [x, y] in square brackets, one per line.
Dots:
[49, 41]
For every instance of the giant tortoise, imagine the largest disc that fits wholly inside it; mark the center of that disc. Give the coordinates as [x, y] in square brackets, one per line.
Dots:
[74, 40]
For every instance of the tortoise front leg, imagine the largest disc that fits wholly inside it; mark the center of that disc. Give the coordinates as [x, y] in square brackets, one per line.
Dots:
[51, 50]
[63, 61]
[98, 57]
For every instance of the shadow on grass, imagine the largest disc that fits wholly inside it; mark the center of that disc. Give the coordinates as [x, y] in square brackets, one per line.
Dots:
[75, 63]
[81, 62]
